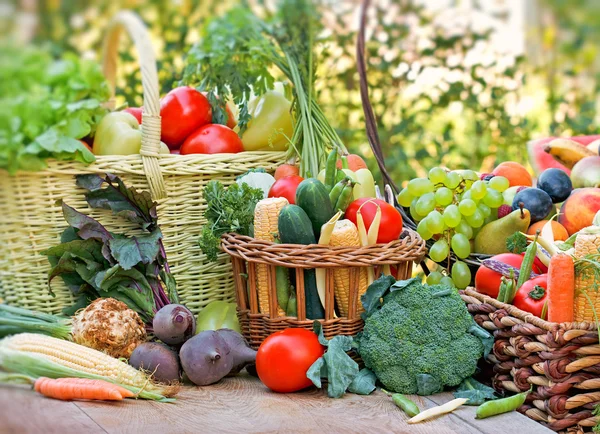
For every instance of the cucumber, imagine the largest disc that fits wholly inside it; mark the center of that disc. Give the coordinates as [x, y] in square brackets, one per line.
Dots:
[312, 196]
[296, 228]
[284, 288]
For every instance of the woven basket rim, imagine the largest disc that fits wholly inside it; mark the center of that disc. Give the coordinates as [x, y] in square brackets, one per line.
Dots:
[529, 317]
[409, 248]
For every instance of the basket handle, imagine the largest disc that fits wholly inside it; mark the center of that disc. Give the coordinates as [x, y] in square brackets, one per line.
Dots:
[370, 121]
[129, 21]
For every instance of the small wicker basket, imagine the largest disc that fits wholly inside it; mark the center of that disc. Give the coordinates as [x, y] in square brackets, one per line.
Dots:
[246, 252]
[31, 221]
[560, 361]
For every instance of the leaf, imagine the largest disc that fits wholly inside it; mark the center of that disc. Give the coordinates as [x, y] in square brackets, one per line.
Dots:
[516, 243]
[401, 284]
[474, 391]
[170, 285]
[363, 383]
[89, 228]
[371, 299]
[91, 182]
[87, 250]
[131, 251]
[124, 201]
[314, 373]
[486, 338]
[318, 329]
[428, 385]
[132, 282]
[341, 369]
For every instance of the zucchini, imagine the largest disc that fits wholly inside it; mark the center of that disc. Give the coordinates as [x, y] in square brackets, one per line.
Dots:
[296, 228]
[312, 196]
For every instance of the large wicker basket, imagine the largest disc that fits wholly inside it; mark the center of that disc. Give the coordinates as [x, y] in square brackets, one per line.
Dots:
[31, 221]
[246, 252]
[560, 361]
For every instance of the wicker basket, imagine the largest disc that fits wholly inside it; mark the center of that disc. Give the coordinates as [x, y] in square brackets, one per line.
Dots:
[560, 361]
[30, 220]
[246, 252]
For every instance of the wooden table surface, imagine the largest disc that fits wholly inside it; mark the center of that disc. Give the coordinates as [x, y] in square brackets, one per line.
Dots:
[243, 405]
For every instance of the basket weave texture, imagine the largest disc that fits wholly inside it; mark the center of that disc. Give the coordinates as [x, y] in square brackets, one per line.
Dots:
[560, 361]
[246, 253]
[31, 221]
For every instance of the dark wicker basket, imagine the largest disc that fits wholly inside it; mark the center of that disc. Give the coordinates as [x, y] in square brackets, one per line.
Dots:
[247, 252]
[560, 361]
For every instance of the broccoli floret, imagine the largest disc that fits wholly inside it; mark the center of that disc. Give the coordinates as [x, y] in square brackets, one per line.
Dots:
[420, 329]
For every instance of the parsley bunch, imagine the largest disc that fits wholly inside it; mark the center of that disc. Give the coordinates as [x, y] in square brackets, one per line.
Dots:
[235, 59]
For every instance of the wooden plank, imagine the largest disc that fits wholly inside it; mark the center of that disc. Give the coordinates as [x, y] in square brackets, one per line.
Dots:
[23, 411]
[244, 404]
[514, 421]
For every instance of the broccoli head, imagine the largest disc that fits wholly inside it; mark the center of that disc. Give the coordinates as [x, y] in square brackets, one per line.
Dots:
[420, 329]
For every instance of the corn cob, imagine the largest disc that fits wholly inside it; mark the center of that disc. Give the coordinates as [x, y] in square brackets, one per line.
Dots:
[346, 234]
[586, 243]
[44, 356]
[266, 215]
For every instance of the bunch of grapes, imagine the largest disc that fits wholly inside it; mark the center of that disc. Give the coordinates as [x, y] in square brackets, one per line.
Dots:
[451, 207]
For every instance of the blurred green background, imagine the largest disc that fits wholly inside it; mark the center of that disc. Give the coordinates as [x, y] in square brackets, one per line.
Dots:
[458, 83]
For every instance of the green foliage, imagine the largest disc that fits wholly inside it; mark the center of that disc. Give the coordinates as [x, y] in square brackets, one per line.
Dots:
[46, 106]
[419, 340]
[475, 392]
[229, 209]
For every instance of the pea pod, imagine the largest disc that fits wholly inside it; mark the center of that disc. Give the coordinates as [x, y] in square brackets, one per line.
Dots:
[345, 198]
[499, 406]
[336, 191]
[526, 267]
[507, 288]
[330, 170]
[403, 403]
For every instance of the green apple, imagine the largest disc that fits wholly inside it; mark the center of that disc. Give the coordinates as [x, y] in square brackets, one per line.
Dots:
[509, 194]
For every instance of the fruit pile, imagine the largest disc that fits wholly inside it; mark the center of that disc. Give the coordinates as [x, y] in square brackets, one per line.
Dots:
[462, 212]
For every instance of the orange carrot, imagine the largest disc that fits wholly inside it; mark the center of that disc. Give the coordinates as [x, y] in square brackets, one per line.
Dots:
[80, 388]
[561, 288]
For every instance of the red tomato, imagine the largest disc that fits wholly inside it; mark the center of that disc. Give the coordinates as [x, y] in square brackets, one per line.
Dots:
[212, 139]
[391, 220]
[284, 357]
[488, 282]
[286, 187]
[286, 170]
[183, 111]
[532, 295]
[136, 112]
[86, 145]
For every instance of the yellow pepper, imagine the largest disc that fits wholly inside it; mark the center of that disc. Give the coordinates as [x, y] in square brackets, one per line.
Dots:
[271, 124]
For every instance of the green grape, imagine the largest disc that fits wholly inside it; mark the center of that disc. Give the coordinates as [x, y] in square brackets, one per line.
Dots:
[447, 281]
[405, 198]
[467, 195]
[452, 216]
[475, 220]
[461, 274]
[439, 251]
[435, 222]
[493, 198]
[499, 183]
[437, 175]
[444, 196]
[467, 207]
[478, 190]
[464, 228]
[453, 179]
[423, 229]
[485, 210]
[434, 278]
[413, 211]
[419, 186]
[425, 204]
[461, 245]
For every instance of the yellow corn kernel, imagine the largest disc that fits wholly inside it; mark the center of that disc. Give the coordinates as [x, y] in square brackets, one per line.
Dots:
[586, 244]
[345, 234]
[266, 215]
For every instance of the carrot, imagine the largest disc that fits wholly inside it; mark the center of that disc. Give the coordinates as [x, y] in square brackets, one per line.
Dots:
[561, 288]
[80, 388]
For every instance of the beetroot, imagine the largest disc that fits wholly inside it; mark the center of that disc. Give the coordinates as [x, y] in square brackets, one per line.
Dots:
[157, 359]
[174, 324]
[242, 354]
[206, 358]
